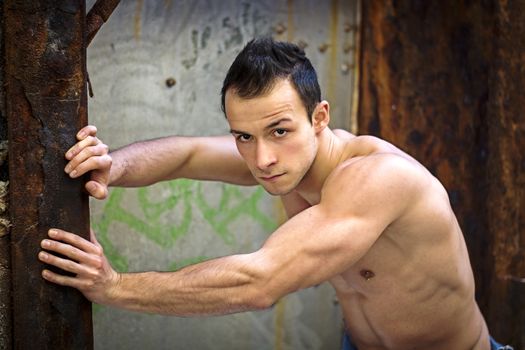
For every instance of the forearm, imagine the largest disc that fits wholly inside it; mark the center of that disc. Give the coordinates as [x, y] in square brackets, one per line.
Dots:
[199, 158]
[147, 162]
[216, 287]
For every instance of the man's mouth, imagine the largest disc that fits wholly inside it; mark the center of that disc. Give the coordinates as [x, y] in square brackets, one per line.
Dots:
[270, 178]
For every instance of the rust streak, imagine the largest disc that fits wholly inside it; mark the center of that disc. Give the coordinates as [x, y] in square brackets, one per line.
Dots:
[333, 69]
[291, 29]
[138, 20]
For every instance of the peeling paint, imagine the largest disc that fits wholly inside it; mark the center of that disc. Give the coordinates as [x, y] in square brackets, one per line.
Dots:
[5, 224]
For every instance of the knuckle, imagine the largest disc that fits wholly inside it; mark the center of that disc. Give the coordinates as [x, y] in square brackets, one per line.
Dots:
[72, 251]
[70, 265]
[75, 149]
[108, 160]
[97, 264]
[99, 251]
[104, 161]
[90, 151]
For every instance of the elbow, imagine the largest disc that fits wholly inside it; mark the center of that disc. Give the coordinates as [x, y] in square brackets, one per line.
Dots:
[260, 299]
[262, 289]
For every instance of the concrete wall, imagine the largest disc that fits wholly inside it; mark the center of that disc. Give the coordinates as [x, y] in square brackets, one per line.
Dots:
[170, 225]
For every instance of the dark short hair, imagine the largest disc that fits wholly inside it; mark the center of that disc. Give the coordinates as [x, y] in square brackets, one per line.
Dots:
[262, 62]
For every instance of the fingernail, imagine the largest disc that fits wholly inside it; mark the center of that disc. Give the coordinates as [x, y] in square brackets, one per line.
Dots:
[73, 173]
[46, 243]
[81, 135]
[43, 256]
[52, 233]
[69, 155]
[67, 169]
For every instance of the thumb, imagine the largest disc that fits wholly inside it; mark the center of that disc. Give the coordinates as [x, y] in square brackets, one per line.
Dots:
[96, 189]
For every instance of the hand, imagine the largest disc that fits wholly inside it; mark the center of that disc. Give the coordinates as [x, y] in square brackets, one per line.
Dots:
[95, 277]
[90, 154]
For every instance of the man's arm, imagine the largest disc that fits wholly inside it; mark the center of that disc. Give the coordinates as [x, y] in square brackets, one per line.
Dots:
[201, 158]
[321, 242]
[148, 162]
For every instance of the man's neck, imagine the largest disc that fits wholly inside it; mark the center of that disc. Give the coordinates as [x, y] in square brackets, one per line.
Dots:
[330, 153]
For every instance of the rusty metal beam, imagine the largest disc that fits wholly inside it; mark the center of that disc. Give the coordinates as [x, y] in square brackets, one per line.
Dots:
[5, 255]
[98, 15]
[45, 70]
[444, 80]
[506, 174]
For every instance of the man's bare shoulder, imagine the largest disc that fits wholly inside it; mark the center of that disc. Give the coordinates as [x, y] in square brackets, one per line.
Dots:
[376, 177]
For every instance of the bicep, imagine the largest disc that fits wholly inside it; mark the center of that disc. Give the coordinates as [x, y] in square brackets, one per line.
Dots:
[312, 247]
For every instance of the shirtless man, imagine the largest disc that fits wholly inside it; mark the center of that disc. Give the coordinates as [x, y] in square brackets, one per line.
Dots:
[363, 215]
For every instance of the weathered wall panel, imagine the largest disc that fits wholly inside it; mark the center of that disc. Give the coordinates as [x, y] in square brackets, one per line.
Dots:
[46, 105]
[443, 81]
[142, 46]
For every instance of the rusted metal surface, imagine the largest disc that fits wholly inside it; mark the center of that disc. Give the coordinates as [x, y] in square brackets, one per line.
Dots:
[5, 255]
[442, 80]
[506, 174]
[98, 15]
[46, 105]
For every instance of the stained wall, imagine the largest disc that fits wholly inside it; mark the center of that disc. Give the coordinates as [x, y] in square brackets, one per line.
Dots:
[156, 69]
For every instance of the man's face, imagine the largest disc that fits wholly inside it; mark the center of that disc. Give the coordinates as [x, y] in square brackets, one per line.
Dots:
[274, 136]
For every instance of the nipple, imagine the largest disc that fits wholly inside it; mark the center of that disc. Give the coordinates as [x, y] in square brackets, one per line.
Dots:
[367, 274]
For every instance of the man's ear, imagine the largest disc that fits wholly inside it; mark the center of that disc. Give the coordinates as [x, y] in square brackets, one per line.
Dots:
[321, 116]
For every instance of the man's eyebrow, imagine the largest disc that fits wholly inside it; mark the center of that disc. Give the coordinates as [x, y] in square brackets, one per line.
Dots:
[277, 122]
[237, 132]
[269, 126]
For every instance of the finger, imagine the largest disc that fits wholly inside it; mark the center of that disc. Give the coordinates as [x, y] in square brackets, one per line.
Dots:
[93, 158]
[66, 281]
[79, 146]
[98, 165]
[99, 149]
[93, 238]
[65, 264]
[97, 190]
[59, 279]
[74, 240]
[69, 251]
[89, 130]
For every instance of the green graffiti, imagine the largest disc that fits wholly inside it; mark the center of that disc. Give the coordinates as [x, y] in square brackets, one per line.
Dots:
[180, 198]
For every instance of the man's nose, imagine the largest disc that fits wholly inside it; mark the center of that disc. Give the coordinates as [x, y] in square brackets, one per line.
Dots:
[265, 157]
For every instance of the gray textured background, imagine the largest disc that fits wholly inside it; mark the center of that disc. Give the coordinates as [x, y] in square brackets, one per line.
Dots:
[169, 225]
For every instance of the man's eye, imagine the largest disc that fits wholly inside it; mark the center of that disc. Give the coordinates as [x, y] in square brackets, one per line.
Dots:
[280, 132]
[244, 137]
